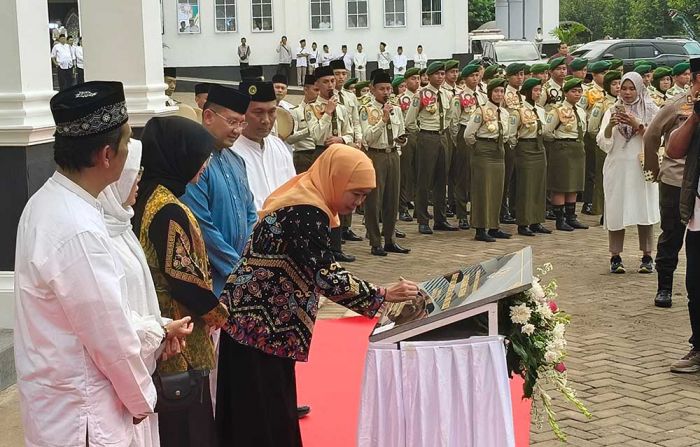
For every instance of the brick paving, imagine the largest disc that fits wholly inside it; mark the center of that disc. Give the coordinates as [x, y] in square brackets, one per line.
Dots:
[620, 345]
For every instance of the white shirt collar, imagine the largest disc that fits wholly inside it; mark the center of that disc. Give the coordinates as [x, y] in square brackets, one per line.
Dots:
[253, 144]
[76, 189]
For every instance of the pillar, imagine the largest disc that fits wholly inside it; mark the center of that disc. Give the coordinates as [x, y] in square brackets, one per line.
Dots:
[122, 41]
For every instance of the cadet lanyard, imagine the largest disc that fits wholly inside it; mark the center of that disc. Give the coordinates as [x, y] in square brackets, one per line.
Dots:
[579, 127]
[500, 127]
[442, 115]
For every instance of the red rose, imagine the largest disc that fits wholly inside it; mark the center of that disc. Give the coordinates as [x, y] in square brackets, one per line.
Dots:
[560, 367]
[553, 306]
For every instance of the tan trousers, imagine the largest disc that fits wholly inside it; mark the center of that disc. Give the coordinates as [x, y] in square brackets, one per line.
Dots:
[616, 239]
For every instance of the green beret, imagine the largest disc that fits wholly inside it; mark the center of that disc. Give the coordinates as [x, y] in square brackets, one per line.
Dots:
[539, 68]
[662, 72]
[652, 64]
[491, 71]
[468, 70]
[680, 68]
[571, 83]
[599, 67]
[578, 64]
[360, 85]
[435, 67]
[398, 81]
[495, 83]
[449, 65]
[616, 63]
[640, 62]
[411, 72]
[568, 77]
[350, 82]
[557, 61]
[514, 68]
[643, 69]
[611, 76]
[474, 62]
[423, 71]
[529, 84]
[526, 69]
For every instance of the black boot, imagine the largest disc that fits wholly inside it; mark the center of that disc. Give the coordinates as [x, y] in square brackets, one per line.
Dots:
[524, 230]
[561, 220]
[482, 235]
[572, 219]
[664, 291]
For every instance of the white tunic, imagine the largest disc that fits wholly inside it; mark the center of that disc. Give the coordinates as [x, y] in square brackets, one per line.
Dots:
[268, 166]
[79, 368]
[629, 199]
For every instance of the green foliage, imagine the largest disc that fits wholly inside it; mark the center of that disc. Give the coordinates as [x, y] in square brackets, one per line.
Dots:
[480, 12]
[570, 33]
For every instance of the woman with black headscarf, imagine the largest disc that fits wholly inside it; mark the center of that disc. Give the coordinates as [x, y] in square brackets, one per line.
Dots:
[175, 152]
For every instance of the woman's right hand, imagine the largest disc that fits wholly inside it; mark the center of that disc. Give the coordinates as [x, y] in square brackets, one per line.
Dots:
[401, 291]
[180, 328]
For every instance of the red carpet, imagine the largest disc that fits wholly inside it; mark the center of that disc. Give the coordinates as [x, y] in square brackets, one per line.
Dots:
[330, 383]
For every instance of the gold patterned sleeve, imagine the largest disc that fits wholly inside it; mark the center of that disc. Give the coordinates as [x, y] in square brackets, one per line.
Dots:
[183, 266]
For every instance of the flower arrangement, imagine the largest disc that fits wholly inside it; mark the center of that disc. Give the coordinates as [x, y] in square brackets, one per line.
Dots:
[535, 328]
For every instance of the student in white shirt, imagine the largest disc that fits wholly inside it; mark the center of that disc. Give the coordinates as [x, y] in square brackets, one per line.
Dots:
[383, 57]
[62, 58]
[80, 375]
[420, 59]
[347, 59]
[400, 62]
[284, 57]
[326, 56]
[302, 55]
[79, 63]
[314, 58]
[360, 61]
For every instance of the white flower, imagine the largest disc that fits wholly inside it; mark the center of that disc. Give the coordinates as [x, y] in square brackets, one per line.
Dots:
[558, 331]
[550, 356]
[520, 314]
[544, 311]
[528, 329]
[537, 290]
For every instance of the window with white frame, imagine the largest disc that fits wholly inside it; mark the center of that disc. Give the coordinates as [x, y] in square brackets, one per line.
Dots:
[321, 14]
[262, 15]
[225, 16]
[394, 13]
[431, 12]
[357, 13]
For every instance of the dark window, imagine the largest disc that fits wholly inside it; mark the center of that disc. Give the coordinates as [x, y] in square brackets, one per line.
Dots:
[619, 51]
[644, 51]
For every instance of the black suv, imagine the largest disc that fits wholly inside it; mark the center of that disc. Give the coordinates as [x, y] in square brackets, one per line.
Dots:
[668, 52]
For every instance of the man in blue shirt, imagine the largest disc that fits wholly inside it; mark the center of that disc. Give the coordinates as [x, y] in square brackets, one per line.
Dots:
[222, 201]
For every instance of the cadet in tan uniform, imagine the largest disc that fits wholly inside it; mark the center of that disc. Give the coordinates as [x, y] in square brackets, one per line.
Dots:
[362, 92]
[579, 69]
[301, 139]
[331, 123]
[488, 131]
[515, 75]
[660, 83]
[681, 78]
[407, 194]
[540, 71]
[646, 72]
[428, 115]
[384, 132]
[450, 86]
[611, 86]
[566, 126]
[552, 90]
[531, 161]
[463, 106]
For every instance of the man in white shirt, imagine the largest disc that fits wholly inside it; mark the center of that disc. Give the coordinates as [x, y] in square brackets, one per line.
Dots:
[347, 59]
[420, 59]
[243, 53]
[79, 63]
[62, 58]
[268, 161]
[80, 375]
[360, 61]
[400, 62]
[383, 57]
[326, 56]
[284, 57]
[302, 55]
[314, 58]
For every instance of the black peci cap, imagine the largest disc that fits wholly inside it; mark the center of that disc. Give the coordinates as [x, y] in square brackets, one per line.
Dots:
[229, 97]
[259, 91]
[92, 108]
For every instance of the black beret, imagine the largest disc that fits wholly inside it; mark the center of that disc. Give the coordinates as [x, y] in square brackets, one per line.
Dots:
[309, 79]
[229, 97]
[92, 108]
[337, 64]
[259, 91]
[321, 72]
[280, 79]
[381, 77]
[202, 87]
[170, 71]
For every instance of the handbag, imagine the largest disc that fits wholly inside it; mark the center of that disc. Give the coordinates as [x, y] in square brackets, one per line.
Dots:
[179, 391]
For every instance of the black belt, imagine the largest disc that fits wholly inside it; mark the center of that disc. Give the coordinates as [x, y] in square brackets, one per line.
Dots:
[493, 140]
[320, 148]
[387, 150]
[527, 139]
[436, 132]
[568, 139]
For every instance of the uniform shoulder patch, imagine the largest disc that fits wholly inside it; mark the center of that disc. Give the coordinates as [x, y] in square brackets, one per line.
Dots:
[363, 113]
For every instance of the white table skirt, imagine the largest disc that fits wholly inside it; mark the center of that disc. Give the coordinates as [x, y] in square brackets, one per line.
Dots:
[436, 394]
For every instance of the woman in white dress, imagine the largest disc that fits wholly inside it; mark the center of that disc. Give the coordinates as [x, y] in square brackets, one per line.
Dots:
[629, 198]
[155, 332]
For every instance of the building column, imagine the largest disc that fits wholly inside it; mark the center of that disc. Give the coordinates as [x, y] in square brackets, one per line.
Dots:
[122, 41]
[26, 125]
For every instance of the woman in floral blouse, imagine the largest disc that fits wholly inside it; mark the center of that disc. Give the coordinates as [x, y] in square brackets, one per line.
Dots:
[273, 295]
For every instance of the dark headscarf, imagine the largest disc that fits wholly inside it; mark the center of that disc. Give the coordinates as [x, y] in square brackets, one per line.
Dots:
[174, 150]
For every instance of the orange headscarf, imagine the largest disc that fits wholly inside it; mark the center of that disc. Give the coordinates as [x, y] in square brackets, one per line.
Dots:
[340, 168]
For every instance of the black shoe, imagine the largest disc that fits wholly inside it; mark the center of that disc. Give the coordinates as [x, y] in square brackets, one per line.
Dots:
[444, 226]
[378, 251]
[539, 228]
[616, 265]
[464, 224]
[410, 205]
[563, 226]
[498, 234]
[507, 219]
[396, 248]
[587, 208]
[647, 265]
[483, 236]
[601, 220]
[350, 235]
[344, 257]
[424, 229]
[523, 230]
[449, 213]
[663, 298]
[399, 234]
[303, 411]
[574, 223]
[405, 217]
[549, 215]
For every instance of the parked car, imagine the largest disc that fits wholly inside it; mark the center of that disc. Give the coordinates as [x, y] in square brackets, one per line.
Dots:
[506, 52]
[667, 52]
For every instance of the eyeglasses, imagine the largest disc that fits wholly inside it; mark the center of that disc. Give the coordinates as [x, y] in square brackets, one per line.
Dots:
[232, 123]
